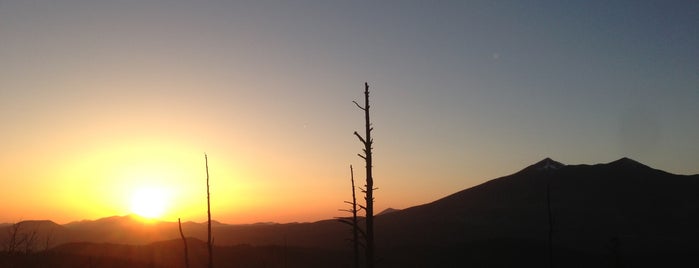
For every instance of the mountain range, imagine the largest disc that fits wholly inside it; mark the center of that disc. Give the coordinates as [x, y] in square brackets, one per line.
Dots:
[622, 213]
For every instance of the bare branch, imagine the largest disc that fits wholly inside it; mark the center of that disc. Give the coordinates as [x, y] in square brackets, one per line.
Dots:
[360, 107]
[360, 137]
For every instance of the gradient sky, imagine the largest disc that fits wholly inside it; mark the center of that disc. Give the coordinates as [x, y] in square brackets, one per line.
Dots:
[100, 98]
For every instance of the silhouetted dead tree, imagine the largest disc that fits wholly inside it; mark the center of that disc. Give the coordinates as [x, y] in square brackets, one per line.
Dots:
[549, 212]
[367, 141]
[184, 240]
[48, 240]
[21, 241]
[14, 240]
[30, 240]
[353, 221]
[209, 242]
[550, 220]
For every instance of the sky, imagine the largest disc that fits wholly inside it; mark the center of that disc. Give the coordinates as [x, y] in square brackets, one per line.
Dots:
[103, 100]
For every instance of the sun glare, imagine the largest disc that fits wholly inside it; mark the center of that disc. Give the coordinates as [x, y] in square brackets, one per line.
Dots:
[149, 203]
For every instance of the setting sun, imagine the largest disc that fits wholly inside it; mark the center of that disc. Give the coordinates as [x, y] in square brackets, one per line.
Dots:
[149, 202]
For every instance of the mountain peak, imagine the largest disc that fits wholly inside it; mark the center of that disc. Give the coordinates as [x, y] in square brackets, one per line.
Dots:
[628, 162]
[388, 210]
[547, 164]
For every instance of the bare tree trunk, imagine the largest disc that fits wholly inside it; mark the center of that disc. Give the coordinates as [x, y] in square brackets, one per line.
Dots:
[208, 210]
[48, 240]
[184, 240]
[550, 218]
[355, 226]
[354, 221]
[367, 141]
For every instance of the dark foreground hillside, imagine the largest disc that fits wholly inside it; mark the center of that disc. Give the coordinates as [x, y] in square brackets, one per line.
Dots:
[494, 253]
[170, 254]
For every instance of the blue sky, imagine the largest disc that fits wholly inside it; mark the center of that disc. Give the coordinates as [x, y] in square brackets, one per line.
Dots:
[462, 91]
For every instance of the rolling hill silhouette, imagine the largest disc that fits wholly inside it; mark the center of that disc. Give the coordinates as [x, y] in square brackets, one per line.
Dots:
[621, 213]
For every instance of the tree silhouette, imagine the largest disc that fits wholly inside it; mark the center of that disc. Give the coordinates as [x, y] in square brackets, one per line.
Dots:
[550, 220]
[353, 221]
[184, 240]
[14, 240]
[367, 141]
[21, 241]
[48, 239]
[209, 242]
[549, 210]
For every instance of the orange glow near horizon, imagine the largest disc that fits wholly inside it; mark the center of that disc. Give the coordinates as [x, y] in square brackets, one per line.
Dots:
[161, 176]
[159, 179]
[94, 172]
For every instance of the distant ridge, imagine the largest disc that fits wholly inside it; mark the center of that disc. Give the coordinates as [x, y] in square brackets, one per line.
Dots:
[621, 211]
[628, 163]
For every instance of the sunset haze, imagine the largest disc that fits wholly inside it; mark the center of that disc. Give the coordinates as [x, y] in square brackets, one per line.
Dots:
[99, 99]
